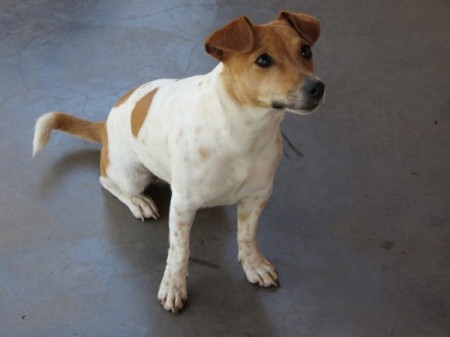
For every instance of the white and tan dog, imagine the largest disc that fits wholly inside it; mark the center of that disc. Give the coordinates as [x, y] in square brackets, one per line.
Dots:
[214, 138]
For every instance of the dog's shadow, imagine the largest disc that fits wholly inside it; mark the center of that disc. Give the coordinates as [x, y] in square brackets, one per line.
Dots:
[77, 162]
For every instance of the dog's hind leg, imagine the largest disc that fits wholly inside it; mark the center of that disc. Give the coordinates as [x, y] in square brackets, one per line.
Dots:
[126, 178]
[141, 206]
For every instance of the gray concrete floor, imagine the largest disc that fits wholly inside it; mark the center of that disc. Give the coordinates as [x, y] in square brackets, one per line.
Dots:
[358, 228]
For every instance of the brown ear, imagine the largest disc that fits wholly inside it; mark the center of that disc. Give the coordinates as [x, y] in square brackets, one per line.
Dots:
[306, 26]
[237, 36]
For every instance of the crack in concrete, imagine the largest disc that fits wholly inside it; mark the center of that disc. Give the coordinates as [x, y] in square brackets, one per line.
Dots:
[3, 102]
[167, 10]
[87, 98]
[189, 59]
[20, 70]
[19, 52]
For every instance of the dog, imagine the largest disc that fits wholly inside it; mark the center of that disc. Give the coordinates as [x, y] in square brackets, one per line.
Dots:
[215, 138]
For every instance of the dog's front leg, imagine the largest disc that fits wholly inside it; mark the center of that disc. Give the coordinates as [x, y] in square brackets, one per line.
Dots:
[257, 269]
[172, 291]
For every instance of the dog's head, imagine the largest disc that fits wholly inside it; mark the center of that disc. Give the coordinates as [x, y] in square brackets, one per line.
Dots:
[270, 65]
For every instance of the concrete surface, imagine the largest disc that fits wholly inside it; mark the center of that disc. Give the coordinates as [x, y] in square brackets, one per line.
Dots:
[358, 228]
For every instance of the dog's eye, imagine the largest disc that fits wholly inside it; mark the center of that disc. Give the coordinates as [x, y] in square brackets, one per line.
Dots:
[306, 52]
[264, 61]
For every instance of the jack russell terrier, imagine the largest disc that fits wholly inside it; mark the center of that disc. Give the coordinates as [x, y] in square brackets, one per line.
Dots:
[214, 138]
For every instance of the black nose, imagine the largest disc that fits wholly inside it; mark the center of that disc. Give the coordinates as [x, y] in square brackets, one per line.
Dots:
[314, 87]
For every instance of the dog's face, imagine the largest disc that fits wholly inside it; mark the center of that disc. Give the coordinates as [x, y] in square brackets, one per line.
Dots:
[270, 65]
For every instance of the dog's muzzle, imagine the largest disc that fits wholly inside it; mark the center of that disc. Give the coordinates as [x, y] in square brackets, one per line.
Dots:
[314, 90]
[305, 100]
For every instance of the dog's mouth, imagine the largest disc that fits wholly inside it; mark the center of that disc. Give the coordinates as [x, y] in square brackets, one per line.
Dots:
[300, 109]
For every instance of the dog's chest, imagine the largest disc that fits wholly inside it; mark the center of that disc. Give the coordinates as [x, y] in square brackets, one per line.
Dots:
[228, 177]
[208, 148]
[215, 171]
[240, 181]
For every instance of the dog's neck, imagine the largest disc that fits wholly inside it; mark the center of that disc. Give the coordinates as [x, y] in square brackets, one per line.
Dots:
[242, 117]
[246, 128]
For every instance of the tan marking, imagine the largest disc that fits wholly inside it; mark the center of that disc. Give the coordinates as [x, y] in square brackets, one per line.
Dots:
[308, 27]
[204, 152]
[87, 130]
[237, 36]
[125, 97]
[243, 216]
[140, 112]
[262, 204]
[251, 85]
[104, 155]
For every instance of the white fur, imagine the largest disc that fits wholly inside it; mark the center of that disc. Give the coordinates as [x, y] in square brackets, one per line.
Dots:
[210, 137]
[241, 148]
[44, 126]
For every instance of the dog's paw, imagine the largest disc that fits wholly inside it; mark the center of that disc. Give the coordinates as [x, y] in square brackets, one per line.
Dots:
[261, 272]
[143, 207]
[172, 293]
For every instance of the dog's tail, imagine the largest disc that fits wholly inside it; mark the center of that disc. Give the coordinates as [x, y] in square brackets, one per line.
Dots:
[84, 129]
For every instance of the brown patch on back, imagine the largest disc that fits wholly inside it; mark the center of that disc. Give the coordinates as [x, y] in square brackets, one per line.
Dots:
[104, 156]
[125, 97]
[140, 112]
